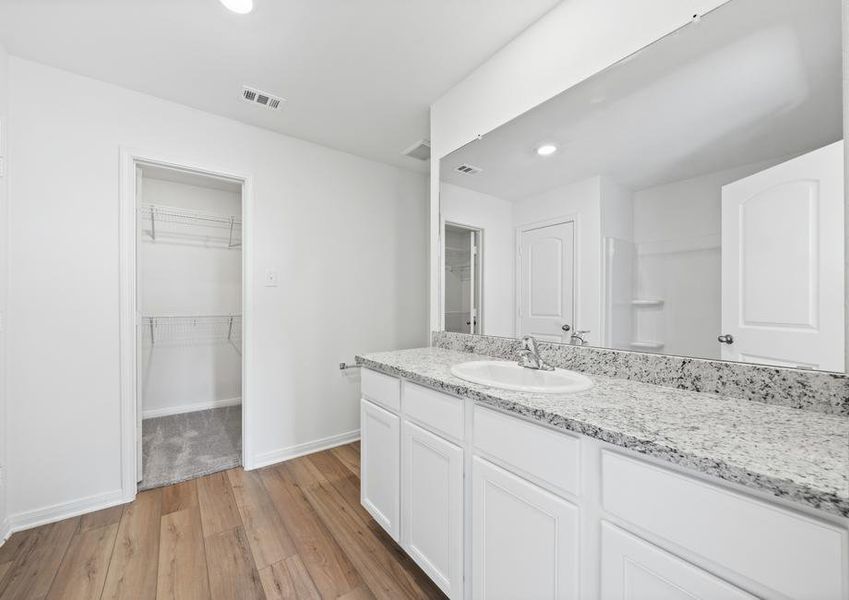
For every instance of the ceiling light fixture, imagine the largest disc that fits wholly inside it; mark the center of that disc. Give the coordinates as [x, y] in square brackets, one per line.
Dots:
[240, 7]
[546, 149]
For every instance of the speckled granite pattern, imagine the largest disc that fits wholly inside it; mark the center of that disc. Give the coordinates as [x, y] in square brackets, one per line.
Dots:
[797, 388]
[800, 455]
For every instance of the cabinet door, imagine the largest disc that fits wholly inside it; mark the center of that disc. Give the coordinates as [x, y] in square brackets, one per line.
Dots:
[633, 569]
[432, 484]
[524, 539]
[380, 447]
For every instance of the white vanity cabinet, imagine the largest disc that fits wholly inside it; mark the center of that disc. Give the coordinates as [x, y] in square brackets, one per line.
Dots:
[380, 455]
[524, 539]
[492, 506]
[432, 506]
[633, 569]
[412, 466]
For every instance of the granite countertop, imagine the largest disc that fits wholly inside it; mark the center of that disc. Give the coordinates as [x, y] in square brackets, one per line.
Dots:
[799, 455]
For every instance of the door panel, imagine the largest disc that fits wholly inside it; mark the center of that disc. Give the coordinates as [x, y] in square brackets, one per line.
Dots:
[432, 486]
[379, 466]
[524, 539]
[782, 263]
[546, 281]
[633, 569]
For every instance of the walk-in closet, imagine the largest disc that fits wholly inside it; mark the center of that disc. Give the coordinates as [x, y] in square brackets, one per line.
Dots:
[189, 298]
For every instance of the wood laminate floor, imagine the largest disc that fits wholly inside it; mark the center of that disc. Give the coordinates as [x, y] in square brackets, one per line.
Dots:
[292, 530]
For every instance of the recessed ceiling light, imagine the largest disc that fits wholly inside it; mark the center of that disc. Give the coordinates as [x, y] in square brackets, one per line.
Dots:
[241, 7]
[546, 149]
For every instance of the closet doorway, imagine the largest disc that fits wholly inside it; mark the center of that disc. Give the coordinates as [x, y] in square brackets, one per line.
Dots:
[188, 326]
[463, 278]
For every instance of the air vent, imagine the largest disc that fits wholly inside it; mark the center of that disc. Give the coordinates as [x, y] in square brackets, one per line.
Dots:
[468, 169]
[255, 96]
[420, 150]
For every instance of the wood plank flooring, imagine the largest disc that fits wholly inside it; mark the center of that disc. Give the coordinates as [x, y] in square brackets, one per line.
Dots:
[295, 530]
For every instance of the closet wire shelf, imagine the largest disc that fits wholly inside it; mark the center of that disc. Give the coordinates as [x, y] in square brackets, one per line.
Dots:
[158, 221]
[194, 329]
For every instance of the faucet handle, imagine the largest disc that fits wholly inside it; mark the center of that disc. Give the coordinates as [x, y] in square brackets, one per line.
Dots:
[529, 343]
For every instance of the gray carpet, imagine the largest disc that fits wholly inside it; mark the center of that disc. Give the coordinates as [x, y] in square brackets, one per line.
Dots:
[180, 447]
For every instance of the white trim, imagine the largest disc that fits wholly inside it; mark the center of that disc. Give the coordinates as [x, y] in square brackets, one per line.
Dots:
[276, 456]
[127, 241]
[5, 531]
[63, 510]
[187, 408]
[518, 230]
[436, 265]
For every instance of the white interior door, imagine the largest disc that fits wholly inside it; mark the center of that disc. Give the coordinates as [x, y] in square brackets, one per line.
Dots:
[547, 281]
[139, 346]
[782, 264]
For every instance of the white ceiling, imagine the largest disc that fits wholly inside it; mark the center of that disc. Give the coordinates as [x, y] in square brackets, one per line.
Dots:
[754, 80]
[359, 75]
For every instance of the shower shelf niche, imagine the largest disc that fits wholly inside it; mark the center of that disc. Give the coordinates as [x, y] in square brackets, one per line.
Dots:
[159, 222]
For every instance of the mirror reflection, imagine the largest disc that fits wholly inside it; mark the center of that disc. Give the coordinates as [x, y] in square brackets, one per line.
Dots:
[688, 200]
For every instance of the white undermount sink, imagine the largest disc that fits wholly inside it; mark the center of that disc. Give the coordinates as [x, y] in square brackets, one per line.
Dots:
[511, 376]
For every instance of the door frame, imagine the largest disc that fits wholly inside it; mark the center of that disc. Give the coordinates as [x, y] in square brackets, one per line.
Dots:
[479, 274]
[127, 236]
[517, 266]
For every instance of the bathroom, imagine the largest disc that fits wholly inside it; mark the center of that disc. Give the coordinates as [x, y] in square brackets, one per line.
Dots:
[423, 300]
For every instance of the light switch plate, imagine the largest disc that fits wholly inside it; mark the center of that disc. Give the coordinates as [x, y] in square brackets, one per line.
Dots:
[270, 278]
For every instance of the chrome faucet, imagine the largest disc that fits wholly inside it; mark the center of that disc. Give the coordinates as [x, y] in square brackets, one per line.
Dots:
[529, 355]
[577, 338]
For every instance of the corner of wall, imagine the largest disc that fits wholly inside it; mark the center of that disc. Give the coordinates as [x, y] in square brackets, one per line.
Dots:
[4, 196]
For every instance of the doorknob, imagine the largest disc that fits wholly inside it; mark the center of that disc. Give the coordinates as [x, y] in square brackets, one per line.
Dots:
[725, 339]
[566, 328]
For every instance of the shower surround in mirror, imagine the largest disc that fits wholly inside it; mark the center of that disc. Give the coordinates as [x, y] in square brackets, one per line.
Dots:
[693, 204]
[817, 391]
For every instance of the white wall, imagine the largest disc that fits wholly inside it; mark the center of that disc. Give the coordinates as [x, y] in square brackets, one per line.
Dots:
[575, 40]
[347, 236]
[4, 228]
[183, 275]
[495, 216]
[582, 202]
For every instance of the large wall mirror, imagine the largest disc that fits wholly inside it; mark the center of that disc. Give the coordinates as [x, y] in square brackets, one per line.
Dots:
[688, 200]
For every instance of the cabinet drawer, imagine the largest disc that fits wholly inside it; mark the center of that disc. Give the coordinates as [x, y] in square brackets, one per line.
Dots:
[382, 389]
[793, 554]
[547, 457]
[440, 412]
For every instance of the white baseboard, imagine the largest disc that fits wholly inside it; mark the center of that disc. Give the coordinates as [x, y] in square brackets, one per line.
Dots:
[276, 456]
[5, 531]
[187, 408]
[61, 511]
[66, 510]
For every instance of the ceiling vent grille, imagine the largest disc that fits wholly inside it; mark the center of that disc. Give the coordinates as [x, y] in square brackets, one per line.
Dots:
[255, 96]
[420, 150]
[467, 169]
